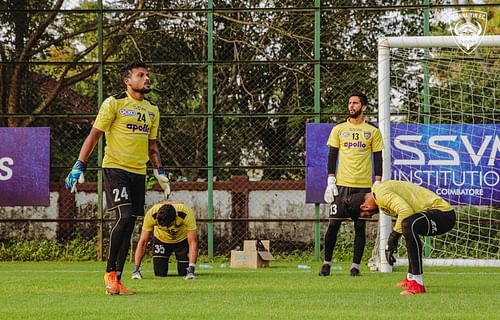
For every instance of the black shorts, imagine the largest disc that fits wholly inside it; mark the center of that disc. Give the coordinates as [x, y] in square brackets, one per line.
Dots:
[338, 209]
[125, 188]
[161, 256]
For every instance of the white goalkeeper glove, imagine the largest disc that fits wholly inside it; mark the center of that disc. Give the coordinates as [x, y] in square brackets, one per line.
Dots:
[377, 182]
[331, 190]
[162, 180]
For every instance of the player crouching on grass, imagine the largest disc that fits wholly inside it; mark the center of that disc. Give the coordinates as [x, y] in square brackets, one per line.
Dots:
[173, 226]
[418, 211]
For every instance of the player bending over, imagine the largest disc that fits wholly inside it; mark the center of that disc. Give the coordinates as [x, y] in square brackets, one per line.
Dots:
[418, 211]
[173, 226]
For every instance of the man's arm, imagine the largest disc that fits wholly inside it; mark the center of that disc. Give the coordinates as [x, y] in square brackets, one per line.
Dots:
[333, 154]
[192, 239]
[89, 144]
[141, 247]
[377, 164]
[154, 154]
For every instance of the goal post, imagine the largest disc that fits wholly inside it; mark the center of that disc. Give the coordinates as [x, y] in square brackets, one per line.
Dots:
[444, 105]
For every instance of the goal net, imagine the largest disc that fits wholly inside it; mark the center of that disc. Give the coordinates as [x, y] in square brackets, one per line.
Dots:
[439, 114]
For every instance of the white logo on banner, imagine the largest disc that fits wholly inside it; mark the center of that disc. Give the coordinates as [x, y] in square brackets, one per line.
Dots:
[469, 29]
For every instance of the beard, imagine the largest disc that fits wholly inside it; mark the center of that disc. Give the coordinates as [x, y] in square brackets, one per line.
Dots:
[143, 90]
[355, 114]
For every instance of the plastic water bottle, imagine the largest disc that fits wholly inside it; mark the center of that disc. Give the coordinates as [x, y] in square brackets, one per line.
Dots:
[336, 268]
[205, 266]
[224, 265]
[303, 267]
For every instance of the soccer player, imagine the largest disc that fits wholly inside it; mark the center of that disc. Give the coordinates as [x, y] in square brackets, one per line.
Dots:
[352, 143]
[130, 123]
[173, 226]
[418, 211]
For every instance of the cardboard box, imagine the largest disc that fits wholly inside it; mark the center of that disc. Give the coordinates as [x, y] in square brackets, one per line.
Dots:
[250, 257]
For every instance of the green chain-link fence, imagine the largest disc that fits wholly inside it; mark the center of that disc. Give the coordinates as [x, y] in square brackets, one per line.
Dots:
[236, 83]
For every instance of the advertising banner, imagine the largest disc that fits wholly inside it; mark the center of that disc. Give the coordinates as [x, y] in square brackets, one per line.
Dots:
[460, 162]
[24, 166]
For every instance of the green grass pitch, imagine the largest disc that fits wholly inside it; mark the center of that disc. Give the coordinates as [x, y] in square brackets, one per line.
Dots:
[74, 290]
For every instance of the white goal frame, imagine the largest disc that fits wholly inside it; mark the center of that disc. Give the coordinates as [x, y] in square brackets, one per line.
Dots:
[384, 98]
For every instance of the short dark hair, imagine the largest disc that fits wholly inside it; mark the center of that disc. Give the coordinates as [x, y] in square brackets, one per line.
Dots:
[362, 97]
[125, 70]
[354, 203]
[166, 215]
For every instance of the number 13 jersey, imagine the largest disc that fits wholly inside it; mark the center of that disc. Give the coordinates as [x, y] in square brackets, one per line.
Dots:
[356, 143]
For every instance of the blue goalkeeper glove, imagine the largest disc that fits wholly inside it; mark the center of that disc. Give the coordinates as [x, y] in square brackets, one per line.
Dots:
[75, 175]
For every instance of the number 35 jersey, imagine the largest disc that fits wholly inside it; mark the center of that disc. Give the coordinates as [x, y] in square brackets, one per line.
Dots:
[356, 143]
[128, 124]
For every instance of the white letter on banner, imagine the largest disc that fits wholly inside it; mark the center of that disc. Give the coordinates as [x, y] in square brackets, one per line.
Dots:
[6, 169]
[400, 146]
[476, 158]
[494, 151]
[455, 161]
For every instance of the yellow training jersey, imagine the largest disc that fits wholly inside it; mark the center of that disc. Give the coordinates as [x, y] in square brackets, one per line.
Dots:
[356, 143]
[402, 199]
[184, 222]
[128, 124]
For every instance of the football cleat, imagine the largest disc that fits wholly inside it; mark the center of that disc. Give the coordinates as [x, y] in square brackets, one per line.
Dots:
[189, 276]
[325, 270]
[403, 284]
[111, 283]
[355, 272]
[137, 275]
[123, 290]
[413, 288]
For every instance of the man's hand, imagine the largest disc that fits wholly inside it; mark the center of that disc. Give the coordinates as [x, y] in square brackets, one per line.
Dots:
[137, 273]
[75, 175]
[163, 181]
[190, 273]
[331, 190]
[392, 247]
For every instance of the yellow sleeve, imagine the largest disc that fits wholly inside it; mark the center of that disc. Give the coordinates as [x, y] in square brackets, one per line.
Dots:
[153, 134]
[397, 206]
[149, 222]
[190, 220]
[106, 115]
[333, 139]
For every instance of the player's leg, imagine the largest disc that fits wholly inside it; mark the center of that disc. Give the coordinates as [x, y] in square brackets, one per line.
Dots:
[181, 254]
[330, 241]
[161, 255]
[359, 245]
[359, 236]
[412, 227]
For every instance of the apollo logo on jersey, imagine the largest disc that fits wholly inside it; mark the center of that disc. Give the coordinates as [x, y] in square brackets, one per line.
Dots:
[357, 144]
[134, 127]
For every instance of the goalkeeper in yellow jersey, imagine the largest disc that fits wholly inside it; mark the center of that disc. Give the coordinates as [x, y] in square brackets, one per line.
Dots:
[130, 123]
[418, 211]
[353, 143]
[173, 226]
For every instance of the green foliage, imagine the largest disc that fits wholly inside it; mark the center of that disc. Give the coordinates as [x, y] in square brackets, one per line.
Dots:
[44, 250]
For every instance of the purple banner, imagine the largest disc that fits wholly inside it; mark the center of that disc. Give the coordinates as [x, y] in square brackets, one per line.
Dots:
[316, 160]
[24, 166]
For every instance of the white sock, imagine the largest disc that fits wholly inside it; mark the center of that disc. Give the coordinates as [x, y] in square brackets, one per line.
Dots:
[327, 262]
[419, 278]
[409, 276]
[355, 265]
